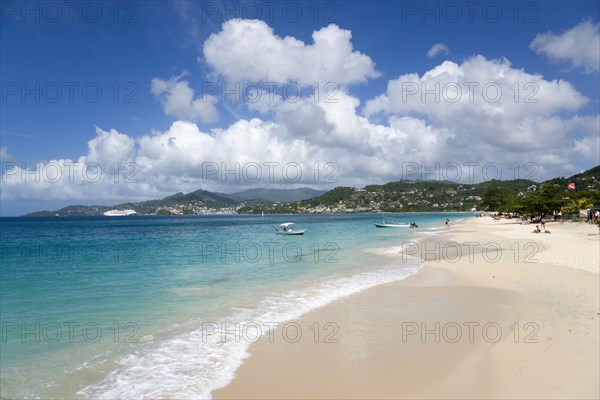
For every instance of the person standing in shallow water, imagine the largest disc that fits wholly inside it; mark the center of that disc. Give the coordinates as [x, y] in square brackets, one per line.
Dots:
[447, 222]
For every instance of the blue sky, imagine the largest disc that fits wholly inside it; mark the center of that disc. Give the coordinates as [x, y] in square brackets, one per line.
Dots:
[145, 57]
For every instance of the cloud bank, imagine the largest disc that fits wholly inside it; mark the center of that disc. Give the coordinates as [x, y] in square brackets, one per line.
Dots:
[480, 111]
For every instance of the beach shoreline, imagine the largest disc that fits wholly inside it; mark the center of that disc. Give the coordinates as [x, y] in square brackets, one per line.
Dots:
[495, 312]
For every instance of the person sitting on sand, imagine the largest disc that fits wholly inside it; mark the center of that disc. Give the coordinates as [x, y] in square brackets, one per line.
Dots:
[536, 230]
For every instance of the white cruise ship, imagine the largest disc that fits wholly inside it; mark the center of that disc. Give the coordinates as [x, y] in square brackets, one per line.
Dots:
[119, 213]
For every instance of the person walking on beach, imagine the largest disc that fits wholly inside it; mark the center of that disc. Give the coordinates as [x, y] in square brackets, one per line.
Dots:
[447, 222]
[543, 224]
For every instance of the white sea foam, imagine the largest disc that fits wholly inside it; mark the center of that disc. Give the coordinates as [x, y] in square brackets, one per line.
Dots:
[387, 251]
[430, 233]
[193, 364]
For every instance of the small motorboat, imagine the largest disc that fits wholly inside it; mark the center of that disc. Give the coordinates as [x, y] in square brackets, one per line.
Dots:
[288, 229]
[385, 224]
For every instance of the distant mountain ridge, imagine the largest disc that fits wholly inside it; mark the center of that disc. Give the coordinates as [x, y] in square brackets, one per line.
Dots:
[277, 195]
[403, 195]
[418, 196]
[206, 198]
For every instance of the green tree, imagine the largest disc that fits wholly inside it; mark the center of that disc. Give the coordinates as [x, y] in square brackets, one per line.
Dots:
[548, 198]
[496, 198]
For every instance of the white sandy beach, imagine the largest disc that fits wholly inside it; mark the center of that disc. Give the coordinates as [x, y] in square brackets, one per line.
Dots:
[519, 322]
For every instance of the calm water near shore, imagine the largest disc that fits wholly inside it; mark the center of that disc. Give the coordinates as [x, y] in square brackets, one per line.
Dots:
[120, 307]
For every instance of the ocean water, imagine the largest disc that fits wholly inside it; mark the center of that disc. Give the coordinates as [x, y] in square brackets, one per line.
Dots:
[122, 307]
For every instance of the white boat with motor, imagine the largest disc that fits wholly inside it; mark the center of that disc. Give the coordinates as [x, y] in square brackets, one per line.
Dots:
[385, 224]
[288, 229]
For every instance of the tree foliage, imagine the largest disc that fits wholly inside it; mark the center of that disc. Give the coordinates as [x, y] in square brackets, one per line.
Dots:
[497, 198]
[547, 199]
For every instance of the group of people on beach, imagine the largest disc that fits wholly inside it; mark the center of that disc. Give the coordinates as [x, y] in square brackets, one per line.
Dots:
[537, 227]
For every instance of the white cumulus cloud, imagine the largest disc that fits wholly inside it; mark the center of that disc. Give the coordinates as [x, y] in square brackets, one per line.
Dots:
[177, 98]
[250, 51]
[110, 147]
[438, 48]
[484, 101]
[306, 133]
[579, 45]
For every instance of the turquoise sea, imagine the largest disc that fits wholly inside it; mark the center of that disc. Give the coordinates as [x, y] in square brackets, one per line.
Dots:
[101, 307]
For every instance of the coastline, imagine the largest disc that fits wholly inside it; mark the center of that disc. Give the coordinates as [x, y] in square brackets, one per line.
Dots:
[474, 322]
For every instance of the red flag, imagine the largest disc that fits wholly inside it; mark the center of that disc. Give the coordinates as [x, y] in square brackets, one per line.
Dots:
[571, 186]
